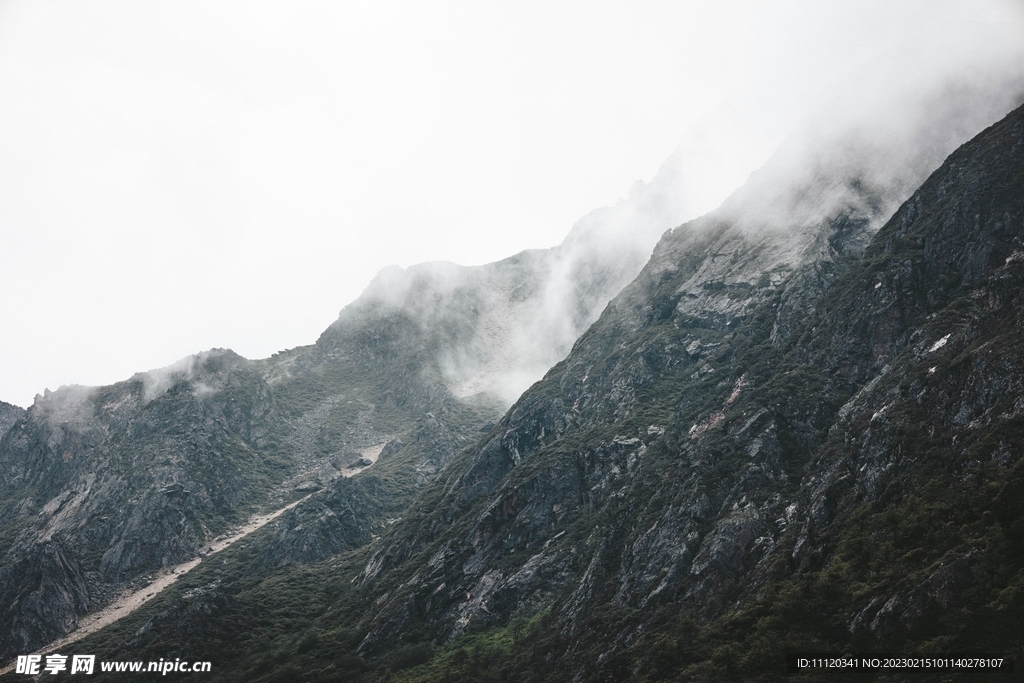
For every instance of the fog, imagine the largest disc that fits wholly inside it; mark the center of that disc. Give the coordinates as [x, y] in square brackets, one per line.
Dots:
[230, 175]
[503, 325]
[859, 152]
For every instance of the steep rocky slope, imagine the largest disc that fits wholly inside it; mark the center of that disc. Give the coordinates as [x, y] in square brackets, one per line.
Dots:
[8, 416]
[101, 486]
[499, 327]
[797, 429]
[113, 482]
[725, 438]
[699, 370]
[495, 329]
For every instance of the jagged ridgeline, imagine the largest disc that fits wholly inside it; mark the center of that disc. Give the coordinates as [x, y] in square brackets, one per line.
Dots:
[798, 429]
[101, 487]
[104, 486]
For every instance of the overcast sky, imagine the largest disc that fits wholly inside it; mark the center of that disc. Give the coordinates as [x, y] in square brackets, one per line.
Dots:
[184, 175]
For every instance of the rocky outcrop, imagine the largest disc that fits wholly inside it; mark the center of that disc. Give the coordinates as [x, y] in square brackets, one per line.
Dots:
[733, 410]
[9, 414]
[143, 474]
[798, 427]
[340, 518]
[43, 594]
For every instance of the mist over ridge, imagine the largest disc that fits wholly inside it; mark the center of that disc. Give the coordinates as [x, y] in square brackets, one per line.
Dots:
[861, 153]
[145, 149]
[774, 439]
[498, 327]
[655, 415]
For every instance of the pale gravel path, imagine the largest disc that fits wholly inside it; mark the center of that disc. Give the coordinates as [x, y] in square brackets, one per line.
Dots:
[129, 602]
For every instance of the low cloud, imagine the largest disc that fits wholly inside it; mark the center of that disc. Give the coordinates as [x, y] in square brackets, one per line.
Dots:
[862, 150]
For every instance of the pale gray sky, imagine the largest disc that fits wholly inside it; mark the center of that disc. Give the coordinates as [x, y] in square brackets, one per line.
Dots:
[184, 175]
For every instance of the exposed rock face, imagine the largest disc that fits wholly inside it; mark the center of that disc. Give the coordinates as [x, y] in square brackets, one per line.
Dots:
[342, 518]
[121, 480]
[9, 414]
[43, 593]
[776, 418]
[496, 329]
[735, 409]
[142, 474]
[117, 481]
[492, 329]
[119, 468]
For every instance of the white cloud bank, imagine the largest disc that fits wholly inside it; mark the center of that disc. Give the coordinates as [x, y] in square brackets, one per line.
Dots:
[200, 174]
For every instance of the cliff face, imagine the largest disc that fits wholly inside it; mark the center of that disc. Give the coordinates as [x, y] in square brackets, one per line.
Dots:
[740, 417]
[112, 482]
[101, 486]
[798, 428]
[119, 481]
[495, 329]
[8, 416]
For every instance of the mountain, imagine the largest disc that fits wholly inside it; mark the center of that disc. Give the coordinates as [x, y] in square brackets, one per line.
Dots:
[102, 486]
[9, 414]
[797, 429]
[791, 426]
[496, 329]
[762, 411]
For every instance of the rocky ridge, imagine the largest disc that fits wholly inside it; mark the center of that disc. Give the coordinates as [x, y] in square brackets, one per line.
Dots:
[125, 479]
[674, 457]
[715, 453]
[111, 483]
[9, 414]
